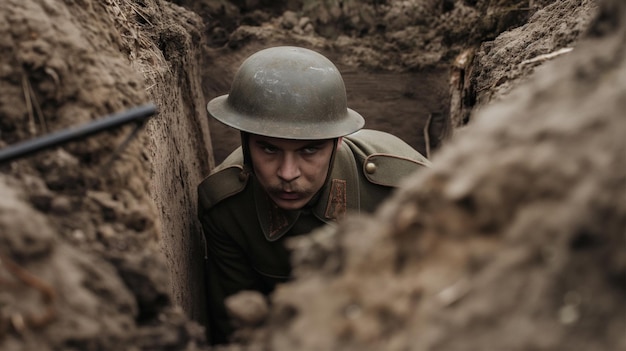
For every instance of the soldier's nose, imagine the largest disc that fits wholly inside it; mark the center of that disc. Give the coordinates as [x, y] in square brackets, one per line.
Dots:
[289, 169]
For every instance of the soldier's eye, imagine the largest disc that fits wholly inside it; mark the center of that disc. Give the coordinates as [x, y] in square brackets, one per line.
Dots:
[309, 150]
[266, 148]
[269, 149]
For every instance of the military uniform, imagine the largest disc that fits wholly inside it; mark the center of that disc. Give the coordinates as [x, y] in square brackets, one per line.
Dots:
[245, 230]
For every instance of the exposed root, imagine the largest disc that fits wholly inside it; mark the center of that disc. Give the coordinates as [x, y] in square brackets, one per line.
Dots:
[33, 107]
[546, 57]
[18, 321]
[427, 135]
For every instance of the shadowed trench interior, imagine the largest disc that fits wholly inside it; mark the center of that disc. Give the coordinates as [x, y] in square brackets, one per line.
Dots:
[414, 106]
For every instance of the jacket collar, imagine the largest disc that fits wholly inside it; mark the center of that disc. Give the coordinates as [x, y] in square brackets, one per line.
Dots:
[339, 194]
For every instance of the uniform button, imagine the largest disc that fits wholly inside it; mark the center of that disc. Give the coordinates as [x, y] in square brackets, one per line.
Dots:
[243, 176]
[370, 167]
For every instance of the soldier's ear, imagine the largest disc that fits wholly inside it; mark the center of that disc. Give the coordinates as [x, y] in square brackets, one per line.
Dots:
[339, 142]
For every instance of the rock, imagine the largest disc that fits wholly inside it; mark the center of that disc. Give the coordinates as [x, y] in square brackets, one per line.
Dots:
[247, 308]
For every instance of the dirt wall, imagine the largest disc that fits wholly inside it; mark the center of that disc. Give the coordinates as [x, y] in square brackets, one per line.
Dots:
[94, 253]
[180, 149]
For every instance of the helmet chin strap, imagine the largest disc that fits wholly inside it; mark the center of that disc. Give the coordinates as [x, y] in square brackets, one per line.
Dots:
[245, 147]
[331, 164]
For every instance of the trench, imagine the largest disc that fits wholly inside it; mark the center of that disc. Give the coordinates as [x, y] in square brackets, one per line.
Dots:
[183, 144]
[420, 106]
[410, 105]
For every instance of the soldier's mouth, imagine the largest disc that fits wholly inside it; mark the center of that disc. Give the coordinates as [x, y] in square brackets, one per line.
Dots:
[288, 196]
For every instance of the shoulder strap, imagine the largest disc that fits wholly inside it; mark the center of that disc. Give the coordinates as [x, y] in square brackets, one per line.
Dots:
[225, 181]
[385, 159]
[389, 170]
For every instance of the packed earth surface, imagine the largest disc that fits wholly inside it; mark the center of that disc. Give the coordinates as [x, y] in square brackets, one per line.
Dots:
[515, 239]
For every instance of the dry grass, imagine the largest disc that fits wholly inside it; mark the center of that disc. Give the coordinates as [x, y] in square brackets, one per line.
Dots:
[143, 53]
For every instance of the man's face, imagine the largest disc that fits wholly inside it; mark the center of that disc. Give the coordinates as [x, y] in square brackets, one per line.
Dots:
[290, 171]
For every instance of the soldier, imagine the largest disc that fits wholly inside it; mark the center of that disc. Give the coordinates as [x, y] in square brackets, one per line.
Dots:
[302, 164]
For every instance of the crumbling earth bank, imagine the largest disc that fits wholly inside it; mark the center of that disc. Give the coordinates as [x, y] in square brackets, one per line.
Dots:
[92, 250]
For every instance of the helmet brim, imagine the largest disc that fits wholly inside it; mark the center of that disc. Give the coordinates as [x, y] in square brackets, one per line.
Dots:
[220, 109]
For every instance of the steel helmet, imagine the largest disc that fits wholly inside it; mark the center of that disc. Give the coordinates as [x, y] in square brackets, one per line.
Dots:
[287, 92]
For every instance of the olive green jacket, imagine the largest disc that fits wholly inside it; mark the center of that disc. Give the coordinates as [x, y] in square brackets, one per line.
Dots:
[245, 231]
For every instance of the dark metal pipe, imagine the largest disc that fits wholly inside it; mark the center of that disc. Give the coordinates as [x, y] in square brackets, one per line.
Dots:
[138, 114]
